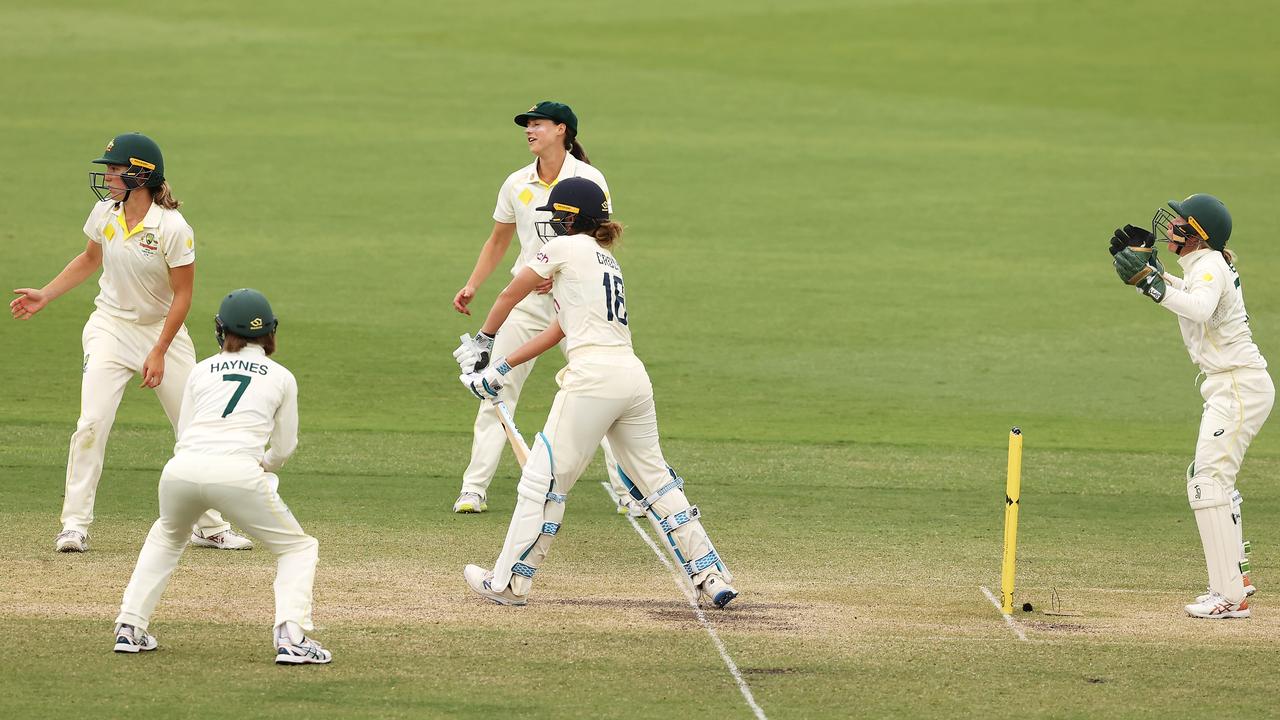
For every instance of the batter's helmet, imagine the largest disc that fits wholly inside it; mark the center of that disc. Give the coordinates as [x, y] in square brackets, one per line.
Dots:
[578, 197]
[244, 312]
[1206, 216]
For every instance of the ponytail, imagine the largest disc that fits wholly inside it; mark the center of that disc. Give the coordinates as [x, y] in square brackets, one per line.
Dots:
[574, 147]
[1229, 256]
[163, 197]
[607, 233]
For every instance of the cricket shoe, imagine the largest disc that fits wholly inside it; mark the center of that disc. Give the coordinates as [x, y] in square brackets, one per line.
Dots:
[225, 540]
[481, 582]
[71, 541]
[469, 502]
[716, 591]
[131, 639]
[1218, 608]
[295, 648]
[629, 506]
[1249, 590]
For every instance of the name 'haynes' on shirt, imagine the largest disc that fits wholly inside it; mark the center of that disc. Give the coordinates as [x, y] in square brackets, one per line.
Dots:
[244, 365]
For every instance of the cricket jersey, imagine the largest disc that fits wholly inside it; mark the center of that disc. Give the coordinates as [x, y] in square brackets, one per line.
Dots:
[234, 403]
[1209, 304]
[523, 191]
[588, 291]
[136, 261]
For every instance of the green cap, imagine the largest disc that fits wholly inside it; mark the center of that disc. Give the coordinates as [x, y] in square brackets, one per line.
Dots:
[135, 150]
[1208, 216]
[553, 111]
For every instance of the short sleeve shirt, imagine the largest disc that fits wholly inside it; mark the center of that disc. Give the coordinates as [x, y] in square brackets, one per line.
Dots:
[136, 261]
[590, 297]
[523, 191]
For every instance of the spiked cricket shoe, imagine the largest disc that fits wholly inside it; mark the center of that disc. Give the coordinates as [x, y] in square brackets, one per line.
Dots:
[629, 506]
[469, 502]
[71, 541]
[225, 540]
[1218, 608]
[295, 648]
[716, 591]
[1249, 590]
[480, 582]
[130, 639]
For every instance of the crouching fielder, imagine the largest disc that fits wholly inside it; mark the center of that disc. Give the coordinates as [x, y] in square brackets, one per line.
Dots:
[604, 393]
[1237, 391]
[234, 402]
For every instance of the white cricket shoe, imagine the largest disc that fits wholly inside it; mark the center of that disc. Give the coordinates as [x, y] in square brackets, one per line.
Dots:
[1249, 590]
[130, 639]
[295, 648]
[716, 591]
[225, 540]
[1218, 608]
[628, 505]
[469, 502]
[71, 541]
[479, 579]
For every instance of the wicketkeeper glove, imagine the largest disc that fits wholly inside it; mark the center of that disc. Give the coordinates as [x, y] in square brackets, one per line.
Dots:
[473, 354]
[488, 384]
[1140, 268]
[1131, 236]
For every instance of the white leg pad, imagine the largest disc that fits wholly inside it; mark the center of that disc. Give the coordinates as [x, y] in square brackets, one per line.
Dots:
[534, 524]
[1211, 503]
[679, 524]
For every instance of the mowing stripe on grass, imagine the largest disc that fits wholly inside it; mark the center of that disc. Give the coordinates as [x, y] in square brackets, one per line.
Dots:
[1014, 625]
[697, 611]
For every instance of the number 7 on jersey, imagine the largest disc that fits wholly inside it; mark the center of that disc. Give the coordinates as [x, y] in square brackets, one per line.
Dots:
[239, 393]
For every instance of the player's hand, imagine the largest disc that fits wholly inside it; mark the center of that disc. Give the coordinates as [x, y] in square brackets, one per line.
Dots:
[543, 287]
[474, 352]
[29, 302]
[1134, 266]
[153, 368]
[463, 299]
[488, 384]
[1131, 236]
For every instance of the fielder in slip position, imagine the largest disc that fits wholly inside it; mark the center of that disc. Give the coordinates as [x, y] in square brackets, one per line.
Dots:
[1237, 391]
[604, 393]
[233, 404]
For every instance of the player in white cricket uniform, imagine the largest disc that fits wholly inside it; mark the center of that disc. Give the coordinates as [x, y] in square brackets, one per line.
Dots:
[1238, 393]
[234, 404]
[604, 392]
[551, 131]
[147, 254]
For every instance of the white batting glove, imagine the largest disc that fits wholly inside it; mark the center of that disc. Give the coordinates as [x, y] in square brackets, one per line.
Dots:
[488, 384]
[473, 354]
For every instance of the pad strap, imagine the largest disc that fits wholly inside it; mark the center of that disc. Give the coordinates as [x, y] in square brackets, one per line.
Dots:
[557, 497]
[696, 566]
[649, 501]
[522, 569]
[684, 517]
[550, 528]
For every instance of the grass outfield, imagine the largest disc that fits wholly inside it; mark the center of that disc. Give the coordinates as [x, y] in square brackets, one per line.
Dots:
[864, 238]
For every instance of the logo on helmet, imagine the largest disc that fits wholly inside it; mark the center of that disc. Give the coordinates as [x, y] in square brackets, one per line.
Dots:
[255, 324]
[110, 145]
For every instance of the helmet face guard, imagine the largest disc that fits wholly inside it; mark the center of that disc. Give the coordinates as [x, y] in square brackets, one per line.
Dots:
[139, 174]
[562, 222]
[1164, 225]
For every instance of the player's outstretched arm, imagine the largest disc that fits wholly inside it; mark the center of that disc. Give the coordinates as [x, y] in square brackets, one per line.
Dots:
[490, 255]
[537, 345]
[31, 301]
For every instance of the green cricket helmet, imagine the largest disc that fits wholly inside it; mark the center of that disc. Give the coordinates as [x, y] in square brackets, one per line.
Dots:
[137, 152]
[575, 197]
[1207, 218]
[244, 312]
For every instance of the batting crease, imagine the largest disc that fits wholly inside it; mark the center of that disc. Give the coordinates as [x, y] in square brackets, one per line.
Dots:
[1014, 625]
[697, 611]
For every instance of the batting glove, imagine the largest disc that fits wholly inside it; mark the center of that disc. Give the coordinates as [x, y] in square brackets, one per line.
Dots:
[473, 354]
[488, 384]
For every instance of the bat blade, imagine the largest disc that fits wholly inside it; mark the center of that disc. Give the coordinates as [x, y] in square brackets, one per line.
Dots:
[518, 445]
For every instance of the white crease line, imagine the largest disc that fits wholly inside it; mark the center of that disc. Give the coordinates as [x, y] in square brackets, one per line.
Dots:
[697, 611]
[1014, 625]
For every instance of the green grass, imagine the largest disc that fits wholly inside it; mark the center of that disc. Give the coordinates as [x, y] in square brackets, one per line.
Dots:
[864, 239]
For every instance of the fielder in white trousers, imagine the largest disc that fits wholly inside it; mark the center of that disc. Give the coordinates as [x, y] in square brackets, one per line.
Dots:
[114, 352]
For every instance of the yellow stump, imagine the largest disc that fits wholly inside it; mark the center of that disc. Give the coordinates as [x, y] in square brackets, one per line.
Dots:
[1013, 489]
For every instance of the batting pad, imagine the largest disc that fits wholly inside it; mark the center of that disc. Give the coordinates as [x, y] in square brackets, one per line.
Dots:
[1211, 503]
[534, 524]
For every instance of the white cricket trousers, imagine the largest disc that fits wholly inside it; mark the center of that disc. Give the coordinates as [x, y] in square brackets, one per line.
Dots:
[1236, 404]
[114, 352]
[528, 318]
[244, 492]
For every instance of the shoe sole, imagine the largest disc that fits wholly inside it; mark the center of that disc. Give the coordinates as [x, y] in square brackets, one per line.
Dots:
[724, 598]
[216, 546]
[128, 647]
[71, 549]
[468, 508]
[1233, 615]
[295, 660]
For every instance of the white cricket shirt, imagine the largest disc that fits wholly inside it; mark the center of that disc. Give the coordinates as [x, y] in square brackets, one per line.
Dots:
[136, 262]
[588, 290]
[524, 190]
[234, 403]
[1210, 307]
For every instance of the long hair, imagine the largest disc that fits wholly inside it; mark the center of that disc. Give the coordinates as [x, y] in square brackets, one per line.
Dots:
[232, 343]
[163, 196]
[607, 233]
[574, 147]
